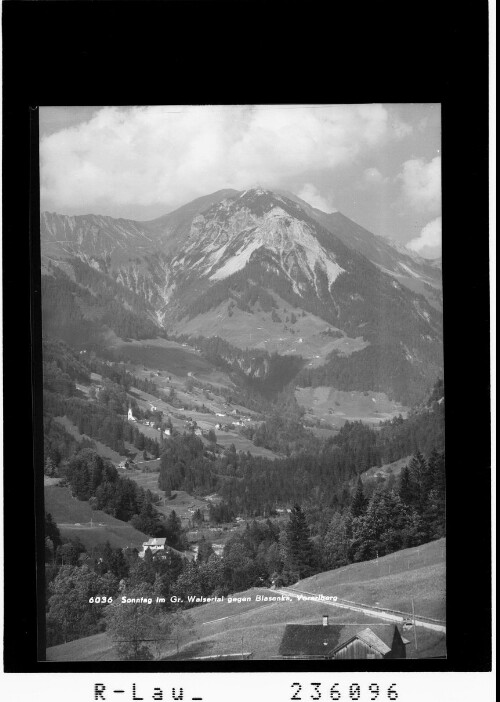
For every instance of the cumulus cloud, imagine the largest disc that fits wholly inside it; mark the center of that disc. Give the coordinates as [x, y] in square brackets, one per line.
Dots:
[401, 128]
[422, 184]
[428, 243]
[168, 155]
[311, 194]
[372, 176]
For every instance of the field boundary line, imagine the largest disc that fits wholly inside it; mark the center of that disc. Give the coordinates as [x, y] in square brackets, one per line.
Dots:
[382, 609]
[392, 615]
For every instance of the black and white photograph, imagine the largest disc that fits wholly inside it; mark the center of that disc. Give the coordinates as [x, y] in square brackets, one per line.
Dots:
[243, 447]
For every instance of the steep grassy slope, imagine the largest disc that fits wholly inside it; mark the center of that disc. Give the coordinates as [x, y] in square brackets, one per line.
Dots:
[415, 573]
[74, 516]
[256, 626]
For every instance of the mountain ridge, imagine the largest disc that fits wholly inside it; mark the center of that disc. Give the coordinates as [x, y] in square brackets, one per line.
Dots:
[255, 253]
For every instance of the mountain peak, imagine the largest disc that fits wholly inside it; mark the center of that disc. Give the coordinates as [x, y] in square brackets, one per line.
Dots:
[260, 200]
[257, 190]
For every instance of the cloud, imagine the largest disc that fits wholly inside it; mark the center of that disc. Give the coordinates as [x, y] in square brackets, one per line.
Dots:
[401, 129]
[428, 243]
[311, 194]
[422, 184]
[372, 176]
[169, 155]
[422, 125]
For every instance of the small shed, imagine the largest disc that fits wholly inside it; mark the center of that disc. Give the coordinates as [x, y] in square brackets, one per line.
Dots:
[377, 641]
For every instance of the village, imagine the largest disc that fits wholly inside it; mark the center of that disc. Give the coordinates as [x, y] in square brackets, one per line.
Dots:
[196, 408]
[193, 405]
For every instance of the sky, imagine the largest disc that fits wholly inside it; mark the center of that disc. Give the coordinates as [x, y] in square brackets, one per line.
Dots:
[379, 164]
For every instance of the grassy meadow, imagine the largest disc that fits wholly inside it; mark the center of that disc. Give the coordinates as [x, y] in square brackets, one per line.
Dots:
[257, 627]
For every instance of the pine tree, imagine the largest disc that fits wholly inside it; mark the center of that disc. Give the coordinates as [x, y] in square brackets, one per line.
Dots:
[299, 551]
[139, 442]
[435, 509]
[434, 476]
[148, 520]
[173, 530]
[119, 565]
[382, 529]
[336, 543]
[418, 472]
[107, 557]
[145, 570]
[359, 501]
[406, 488]
[212, 437]
[198, 517]
[205, 551]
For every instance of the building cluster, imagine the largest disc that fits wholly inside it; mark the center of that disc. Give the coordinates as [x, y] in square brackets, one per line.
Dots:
[234, 419]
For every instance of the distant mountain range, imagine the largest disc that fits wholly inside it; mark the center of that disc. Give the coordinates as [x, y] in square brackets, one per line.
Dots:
[260, 269]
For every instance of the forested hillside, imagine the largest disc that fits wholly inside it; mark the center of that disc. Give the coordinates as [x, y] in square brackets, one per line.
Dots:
[301, 514]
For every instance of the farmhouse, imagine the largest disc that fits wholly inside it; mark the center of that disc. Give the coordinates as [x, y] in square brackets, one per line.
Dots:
[154, 545]
[324, 641]
[127, 464]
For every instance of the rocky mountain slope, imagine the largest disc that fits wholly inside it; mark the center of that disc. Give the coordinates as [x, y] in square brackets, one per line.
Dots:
[261, 270]
[412, 271]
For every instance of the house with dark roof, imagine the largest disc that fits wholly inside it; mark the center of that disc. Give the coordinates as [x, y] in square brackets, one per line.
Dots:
[376, 641]
[309, 641]
[338, 642]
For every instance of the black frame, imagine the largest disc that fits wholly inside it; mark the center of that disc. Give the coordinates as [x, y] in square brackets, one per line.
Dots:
[76, 52]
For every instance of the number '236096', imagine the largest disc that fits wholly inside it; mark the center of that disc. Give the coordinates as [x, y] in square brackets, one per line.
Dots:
[354, 692]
